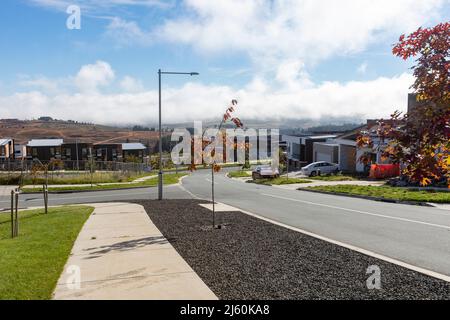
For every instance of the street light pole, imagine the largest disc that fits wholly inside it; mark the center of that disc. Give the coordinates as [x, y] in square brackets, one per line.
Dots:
[160, 172]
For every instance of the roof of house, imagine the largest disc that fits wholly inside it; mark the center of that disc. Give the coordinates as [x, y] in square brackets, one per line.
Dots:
[45, 143]
[328, 144]
[4, 141]
[133, 146]
[328, 136]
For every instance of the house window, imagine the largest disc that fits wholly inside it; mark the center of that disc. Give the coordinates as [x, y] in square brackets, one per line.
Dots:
[68, 152]
[99, 152]
[34, 152]
[52, 151]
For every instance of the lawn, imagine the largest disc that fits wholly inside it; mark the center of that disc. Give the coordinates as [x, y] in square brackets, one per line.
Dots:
[279, 181]
[82, 177]
[168, 179]
[239, 174]
[31, 264]
[386, 192]
[334, 177]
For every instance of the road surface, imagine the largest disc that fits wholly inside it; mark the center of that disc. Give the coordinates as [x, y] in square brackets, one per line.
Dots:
[416, 235]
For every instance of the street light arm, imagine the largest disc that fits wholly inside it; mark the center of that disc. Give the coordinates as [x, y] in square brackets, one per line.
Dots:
[187, 73]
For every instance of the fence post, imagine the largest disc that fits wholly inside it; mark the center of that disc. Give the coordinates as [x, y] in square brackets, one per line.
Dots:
[17, 215]
[12, 213]
[45, 192]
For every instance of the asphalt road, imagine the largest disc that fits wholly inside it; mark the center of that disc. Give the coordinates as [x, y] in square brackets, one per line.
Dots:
[416, 235]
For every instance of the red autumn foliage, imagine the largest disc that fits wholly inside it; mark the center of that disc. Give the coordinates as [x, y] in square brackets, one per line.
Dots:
[420, 139]
[205, 141]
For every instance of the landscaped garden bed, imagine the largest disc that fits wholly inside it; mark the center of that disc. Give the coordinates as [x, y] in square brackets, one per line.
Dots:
[239, 174]
[253, 259]
[279, 181]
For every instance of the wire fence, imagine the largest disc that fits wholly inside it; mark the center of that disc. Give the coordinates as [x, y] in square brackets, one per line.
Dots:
[70, 165]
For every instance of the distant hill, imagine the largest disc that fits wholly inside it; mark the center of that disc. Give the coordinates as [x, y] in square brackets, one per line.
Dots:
[24, 130]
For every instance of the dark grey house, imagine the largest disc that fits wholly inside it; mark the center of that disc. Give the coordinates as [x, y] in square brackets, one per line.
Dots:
[44, 149]
[137, 150]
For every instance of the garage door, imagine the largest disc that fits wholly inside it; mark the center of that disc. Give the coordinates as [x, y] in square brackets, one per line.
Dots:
[323, 157]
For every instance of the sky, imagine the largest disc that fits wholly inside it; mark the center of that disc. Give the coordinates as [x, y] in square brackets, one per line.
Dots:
[296, 59]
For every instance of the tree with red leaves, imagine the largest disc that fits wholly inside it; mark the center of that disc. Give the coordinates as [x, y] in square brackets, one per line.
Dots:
[420, 139]
[203, 152]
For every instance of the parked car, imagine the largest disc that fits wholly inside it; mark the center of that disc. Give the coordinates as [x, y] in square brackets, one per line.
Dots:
[265, 172]
[318, 168]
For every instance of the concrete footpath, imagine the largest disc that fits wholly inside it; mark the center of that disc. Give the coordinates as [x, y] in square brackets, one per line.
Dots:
[121, 254]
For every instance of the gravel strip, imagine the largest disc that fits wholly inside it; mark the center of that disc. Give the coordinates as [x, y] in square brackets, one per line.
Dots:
[254, 259]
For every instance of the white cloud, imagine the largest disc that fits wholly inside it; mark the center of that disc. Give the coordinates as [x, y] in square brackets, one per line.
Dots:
[195, 101]
[127, 33]
[92, 76]
[362, 69]
[130, 84]
[309, 30]
[41, 83]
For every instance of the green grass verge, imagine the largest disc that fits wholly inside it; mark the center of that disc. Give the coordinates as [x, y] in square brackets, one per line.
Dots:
[334, 177]
[239, 174]
[31, 264]
[168, 179]
[279, 181]
[386, 192]
[82, 177]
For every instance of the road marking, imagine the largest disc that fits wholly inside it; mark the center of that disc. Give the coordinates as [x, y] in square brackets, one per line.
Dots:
[190, 193]
[210, 181]
[361, 212]
[403, 264]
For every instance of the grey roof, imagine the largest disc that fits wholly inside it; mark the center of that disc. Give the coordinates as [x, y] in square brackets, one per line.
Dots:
[329, 144]
[45, 143]
[328, 136]
[4, 141]
[133, 146]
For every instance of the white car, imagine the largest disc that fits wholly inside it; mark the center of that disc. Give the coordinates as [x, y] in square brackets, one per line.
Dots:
[265, 172]
[318, 168]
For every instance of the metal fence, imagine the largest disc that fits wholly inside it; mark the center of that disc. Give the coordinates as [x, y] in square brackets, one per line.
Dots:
[69, 165]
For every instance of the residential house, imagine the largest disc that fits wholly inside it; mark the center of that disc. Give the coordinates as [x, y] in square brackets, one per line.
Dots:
[137, 150]
[326, 151]
[300, 148]
[107, 152]
[20, 151]
[6, 149]
[76, 151]
[344, 151]
[44, 149]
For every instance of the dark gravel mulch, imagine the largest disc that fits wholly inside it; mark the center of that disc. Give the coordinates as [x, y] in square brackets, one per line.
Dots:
[254, 259]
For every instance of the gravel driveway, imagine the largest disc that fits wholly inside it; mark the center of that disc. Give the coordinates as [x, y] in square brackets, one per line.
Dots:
[254, 259]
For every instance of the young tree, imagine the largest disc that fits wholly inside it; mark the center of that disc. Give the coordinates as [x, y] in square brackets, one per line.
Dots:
[206, 141]
[420, 139]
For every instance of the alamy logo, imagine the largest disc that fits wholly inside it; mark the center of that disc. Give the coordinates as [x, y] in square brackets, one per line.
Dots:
[74, 20]
[212, 146]
[374, 281]
[73, 281]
